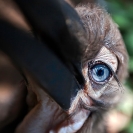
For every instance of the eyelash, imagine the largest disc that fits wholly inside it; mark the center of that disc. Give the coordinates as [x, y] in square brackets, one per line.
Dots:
[92, 64]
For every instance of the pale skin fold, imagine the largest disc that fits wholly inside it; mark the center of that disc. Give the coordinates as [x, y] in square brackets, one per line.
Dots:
[79, 118]
[44, 114]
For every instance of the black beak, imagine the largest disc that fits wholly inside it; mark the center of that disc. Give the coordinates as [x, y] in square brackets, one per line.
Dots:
[54, 57]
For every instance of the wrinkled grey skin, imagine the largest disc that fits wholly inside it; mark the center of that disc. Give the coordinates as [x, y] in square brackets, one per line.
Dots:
[44, 113]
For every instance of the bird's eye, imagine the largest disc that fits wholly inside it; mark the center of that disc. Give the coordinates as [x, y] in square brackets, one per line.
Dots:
[100, 72]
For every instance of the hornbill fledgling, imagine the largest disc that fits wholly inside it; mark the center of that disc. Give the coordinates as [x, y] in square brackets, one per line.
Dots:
[64, 74]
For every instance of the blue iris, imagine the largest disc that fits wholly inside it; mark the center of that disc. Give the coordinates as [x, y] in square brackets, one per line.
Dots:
[100, 72]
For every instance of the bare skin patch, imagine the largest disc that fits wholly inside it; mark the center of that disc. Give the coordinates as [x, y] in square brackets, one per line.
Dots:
[107, 57]
[76, 121]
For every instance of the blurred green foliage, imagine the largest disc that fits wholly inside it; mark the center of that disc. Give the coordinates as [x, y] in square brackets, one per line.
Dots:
[122, 13]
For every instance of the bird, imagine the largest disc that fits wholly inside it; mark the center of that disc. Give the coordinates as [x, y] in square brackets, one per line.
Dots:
[104, 65]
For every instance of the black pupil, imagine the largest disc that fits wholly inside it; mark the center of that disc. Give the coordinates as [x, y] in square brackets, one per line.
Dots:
[100, 72]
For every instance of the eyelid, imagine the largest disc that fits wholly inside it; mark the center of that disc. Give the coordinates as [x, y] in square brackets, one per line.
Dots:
[106, 56]
[92, 63]
[114, 75]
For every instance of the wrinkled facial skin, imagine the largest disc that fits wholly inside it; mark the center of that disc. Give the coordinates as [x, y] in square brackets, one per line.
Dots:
[88, 108]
